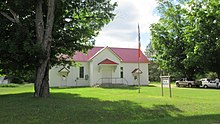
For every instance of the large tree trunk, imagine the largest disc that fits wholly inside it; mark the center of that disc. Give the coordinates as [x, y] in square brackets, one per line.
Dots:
[41, 84]
[44, 38]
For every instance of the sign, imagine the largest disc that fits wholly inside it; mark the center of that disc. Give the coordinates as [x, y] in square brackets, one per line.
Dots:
[165, 81]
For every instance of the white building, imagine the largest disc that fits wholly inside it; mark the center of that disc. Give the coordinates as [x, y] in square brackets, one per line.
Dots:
[4, 80]
[102, 65]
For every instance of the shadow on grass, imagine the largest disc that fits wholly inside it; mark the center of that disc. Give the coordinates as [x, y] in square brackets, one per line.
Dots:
[71, 108]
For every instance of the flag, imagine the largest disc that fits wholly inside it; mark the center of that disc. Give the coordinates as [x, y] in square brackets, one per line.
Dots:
[139, 43]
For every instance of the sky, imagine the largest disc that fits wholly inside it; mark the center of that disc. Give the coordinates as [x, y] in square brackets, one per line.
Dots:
[123, 30]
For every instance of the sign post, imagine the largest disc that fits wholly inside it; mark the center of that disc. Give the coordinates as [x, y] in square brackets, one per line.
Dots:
[165, 80]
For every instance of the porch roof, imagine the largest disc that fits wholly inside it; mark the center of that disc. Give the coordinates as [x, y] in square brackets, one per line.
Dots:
[137, 71]
[64, 69]
[107, 61]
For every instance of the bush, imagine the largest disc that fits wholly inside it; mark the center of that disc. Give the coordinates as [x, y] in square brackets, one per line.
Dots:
[17, 80]
[8, 85]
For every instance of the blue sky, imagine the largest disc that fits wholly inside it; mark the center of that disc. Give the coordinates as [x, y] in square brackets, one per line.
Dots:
[122, 31]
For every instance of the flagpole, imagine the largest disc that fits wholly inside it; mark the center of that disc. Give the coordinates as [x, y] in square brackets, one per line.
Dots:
[139, 88]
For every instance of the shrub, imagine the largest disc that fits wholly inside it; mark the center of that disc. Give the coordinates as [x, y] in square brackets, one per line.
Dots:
[16, 80]
[8, 85]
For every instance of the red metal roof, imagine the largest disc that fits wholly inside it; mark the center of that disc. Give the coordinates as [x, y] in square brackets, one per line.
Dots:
[82, 57]
[127, 55]
[107, 61]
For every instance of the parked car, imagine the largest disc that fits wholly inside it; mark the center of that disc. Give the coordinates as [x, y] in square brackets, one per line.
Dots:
[185, 82]
[209, 83]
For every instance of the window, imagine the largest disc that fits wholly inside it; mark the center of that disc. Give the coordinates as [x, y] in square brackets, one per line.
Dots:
[81, 72]
[121, 72]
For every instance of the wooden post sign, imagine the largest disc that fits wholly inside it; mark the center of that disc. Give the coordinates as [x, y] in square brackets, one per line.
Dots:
[165, 82]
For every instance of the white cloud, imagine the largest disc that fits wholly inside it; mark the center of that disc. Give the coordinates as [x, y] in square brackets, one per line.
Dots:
[122, 31]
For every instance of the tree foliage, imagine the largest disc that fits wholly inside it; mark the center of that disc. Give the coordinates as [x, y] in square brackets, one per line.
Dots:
[153, 67]
[75, 26]
[17, 49]
[186, 37]
[34, 32]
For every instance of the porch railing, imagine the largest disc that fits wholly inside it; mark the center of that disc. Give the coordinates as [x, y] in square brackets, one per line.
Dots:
[113, 80]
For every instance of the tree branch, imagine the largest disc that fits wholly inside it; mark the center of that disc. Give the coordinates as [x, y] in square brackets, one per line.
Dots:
[8, 17]
[16, 17]
[39, 22]
[49, 23]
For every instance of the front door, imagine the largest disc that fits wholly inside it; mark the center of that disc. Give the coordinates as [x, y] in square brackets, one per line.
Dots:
[107, 75]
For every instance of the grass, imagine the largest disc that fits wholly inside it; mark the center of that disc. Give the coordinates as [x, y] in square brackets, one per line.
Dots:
[110, 105]
[9, 85]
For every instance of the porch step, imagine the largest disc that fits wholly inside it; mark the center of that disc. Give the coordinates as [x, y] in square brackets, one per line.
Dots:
[112, 85]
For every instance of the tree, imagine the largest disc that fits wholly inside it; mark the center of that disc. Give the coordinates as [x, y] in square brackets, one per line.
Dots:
[206, 17]
[153, 67]
[168, 39]
[15, 35]
[36, 32]
[180, 37]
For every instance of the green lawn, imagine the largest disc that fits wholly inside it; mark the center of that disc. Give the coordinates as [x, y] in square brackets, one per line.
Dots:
[110, 105]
